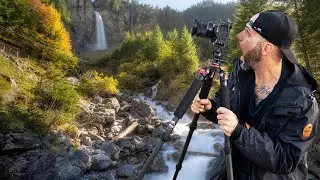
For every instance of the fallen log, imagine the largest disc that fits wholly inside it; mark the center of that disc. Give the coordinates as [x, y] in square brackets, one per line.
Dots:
[194, 153]
[127, 131]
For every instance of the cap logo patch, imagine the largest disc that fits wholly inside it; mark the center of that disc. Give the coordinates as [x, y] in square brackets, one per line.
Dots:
[307, 131]
[252, 20]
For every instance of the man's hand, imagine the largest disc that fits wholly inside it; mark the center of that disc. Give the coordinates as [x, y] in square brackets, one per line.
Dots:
[200, 105]
[227, 120]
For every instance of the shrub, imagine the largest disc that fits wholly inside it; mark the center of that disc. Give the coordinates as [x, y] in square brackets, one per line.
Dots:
[94, 83]
[56, 94]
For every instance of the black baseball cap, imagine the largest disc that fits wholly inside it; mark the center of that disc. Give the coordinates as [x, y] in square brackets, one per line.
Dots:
[278, 28]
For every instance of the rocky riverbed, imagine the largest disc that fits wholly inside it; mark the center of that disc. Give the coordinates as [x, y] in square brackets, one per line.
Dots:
[116, 135]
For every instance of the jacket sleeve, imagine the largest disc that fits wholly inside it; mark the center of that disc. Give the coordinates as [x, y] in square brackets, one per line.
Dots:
[282, 153]
[211, 114]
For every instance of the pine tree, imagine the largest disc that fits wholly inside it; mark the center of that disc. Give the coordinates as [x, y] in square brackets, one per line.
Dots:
[155, 42]
[188, 59]
[307, 17]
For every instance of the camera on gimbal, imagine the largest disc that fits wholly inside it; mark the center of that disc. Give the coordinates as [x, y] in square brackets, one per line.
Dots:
[218, 35]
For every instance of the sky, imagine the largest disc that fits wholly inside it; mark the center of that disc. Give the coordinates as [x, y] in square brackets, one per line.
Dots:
[179, 5]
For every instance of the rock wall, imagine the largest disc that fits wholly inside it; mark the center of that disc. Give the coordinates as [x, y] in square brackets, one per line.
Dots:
[82, 28]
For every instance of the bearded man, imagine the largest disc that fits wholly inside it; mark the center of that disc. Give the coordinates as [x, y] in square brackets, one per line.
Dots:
[273, 112]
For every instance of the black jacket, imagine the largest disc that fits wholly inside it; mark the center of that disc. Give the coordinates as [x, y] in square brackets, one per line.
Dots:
[274, 146]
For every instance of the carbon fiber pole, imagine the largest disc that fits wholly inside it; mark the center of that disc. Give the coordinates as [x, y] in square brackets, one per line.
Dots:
[205, 89]
[224, 97]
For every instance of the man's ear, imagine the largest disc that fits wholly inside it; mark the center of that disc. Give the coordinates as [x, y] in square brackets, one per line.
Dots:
[267, 48]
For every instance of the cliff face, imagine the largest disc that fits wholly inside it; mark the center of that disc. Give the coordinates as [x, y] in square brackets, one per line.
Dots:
[82, 30]
[116, 21]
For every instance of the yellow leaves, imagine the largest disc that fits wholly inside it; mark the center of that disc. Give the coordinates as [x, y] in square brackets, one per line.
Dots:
[50, 25]
[94, 83]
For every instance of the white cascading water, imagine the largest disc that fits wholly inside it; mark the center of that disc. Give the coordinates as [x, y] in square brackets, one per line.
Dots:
[101, 42]
[193, 167]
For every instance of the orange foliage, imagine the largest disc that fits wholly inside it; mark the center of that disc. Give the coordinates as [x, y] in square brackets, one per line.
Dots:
[50, 28]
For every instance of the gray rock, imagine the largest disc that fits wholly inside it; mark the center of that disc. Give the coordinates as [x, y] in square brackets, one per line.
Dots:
[158, 132]
[142, 157]
[112, 103]
[178, 145]
[151, 141]
[124, 143]
[86, 141]
[81, 155]
[141, 130]
[158, 122]
[125, 170]
[97, 100]
[1, 136]
[150, 128]
[158, 165]
[133, 160]
[66, 170]
[98, 151]
[115, 129]
[142, 109]
[26, 140]
[111, 148]
[109, 175]
[125, 108]
[143, 121]
[138, 143]
[93, 130]
[101, 162]
[89, 150]
[109, 135]
[110, 116]
[5, 161]
[33, 165]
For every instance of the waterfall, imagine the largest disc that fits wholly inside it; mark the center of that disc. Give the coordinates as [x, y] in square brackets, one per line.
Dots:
[101, 42]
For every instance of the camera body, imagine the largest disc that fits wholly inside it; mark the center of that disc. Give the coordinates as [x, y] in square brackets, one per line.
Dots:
[218, 35]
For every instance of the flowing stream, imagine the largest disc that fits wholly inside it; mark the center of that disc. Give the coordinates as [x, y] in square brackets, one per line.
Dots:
[203, 140]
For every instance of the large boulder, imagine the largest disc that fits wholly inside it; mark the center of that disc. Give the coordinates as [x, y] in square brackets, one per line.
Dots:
[81, 155]
[101, 162]
[66, 169]
[141, 109]
[111, 149]
[125, 170]
[5, 162]
[20, 142]
[33, 164]
[158, 165]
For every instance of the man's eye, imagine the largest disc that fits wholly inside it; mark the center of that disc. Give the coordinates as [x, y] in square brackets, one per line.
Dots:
[247, 33]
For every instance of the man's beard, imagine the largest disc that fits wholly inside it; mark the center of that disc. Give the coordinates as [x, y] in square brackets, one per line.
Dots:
[251, 58]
